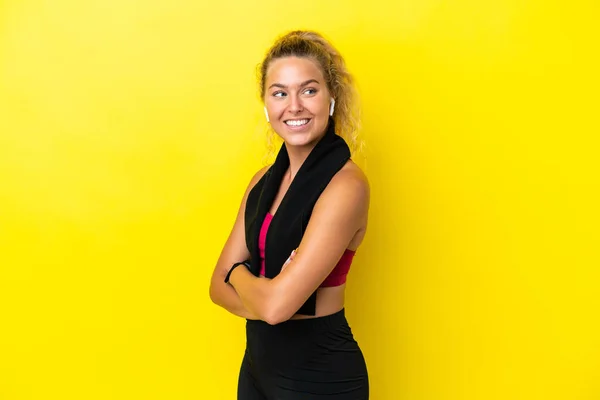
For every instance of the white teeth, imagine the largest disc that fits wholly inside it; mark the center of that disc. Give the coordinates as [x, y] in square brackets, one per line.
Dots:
[298, 122]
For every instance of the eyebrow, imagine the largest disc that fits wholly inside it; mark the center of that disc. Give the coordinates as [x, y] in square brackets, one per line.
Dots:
[301, 85]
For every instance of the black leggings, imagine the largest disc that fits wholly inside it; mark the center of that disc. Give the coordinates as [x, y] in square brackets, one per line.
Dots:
[306, 359]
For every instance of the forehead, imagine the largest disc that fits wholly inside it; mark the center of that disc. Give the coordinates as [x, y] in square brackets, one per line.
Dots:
[292, 70]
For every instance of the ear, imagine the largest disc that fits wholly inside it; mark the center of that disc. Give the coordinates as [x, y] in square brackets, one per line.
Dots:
[332, 106]
[267, 114]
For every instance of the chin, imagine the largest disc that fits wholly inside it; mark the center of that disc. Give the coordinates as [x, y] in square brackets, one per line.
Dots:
[296, 141]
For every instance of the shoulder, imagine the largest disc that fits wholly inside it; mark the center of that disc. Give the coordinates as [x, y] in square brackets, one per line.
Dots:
[350, 180]
[258, 176]
[253, 181]
[349, 188]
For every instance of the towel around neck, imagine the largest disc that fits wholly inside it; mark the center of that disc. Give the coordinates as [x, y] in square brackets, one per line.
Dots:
[291, 219]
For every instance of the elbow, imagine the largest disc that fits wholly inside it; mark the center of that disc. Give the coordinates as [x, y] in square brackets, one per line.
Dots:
[213, 293]
[276, 312]
[278, 307]
[273, 319]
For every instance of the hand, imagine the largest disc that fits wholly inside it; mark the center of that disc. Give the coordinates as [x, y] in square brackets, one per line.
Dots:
[289, 260]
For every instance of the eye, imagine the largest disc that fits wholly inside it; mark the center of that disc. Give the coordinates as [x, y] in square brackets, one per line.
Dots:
[310, 91]
[279, 94]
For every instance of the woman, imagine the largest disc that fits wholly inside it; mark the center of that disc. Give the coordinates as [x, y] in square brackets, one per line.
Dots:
[298, 227]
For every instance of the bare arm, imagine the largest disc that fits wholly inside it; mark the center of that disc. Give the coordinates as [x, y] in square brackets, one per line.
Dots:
[338, 215]
[235, 250]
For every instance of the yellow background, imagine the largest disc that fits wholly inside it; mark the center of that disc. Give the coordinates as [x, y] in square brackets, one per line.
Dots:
[129, 129]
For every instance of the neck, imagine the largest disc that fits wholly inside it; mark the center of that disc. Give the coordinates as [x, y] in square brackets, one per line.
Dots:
[298, 154]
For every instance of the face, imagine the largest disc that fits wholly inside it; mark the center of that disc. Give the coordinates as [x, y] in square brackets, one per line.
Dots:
[297, 100]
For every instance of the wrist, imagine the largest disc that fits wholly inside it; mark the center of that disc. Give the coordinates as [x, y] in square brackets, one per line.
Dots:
[232, 270]
[235, 274]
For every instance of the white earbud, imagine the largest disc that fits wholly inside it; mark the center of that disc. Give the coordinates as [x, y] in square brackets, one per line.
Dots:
[267, 114]
[332, 106]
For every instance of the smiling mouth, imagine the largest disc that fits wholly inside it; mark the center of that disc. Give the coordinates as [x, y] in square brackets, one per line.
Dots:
[297, 122]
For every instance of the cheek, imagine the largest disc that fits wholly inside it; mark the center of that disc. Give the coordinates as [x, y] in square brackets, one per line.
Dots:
[274, 108]
[318, 107]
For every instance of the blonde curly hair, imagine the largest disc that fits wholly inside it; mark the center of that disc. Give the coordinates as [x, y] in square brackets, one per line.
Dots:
[310, 44]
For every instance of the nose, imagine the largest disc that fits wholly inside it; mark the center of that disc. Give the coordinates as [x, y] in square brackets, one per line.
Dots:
[295, 105]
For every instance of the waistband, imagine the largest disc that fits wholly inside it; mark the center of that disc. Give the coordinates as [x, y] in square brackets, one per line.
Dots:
[305, 324]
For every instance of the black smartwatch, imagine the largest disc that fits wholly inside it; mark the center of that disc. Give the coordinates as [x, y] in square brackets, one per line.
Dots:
[234, 266]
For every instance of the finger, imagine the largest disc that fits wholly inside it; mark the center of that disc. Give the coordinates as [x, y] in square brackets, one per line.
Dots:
[289, 260]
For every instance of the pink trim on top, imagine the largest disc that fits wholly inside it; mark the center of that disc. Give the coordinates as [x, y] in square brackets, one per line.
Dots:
[262, 240]
[337, 276]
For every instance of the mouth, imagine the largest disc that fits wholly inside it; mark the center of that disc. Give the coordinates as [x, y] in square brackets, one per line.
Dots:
[295, 123]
